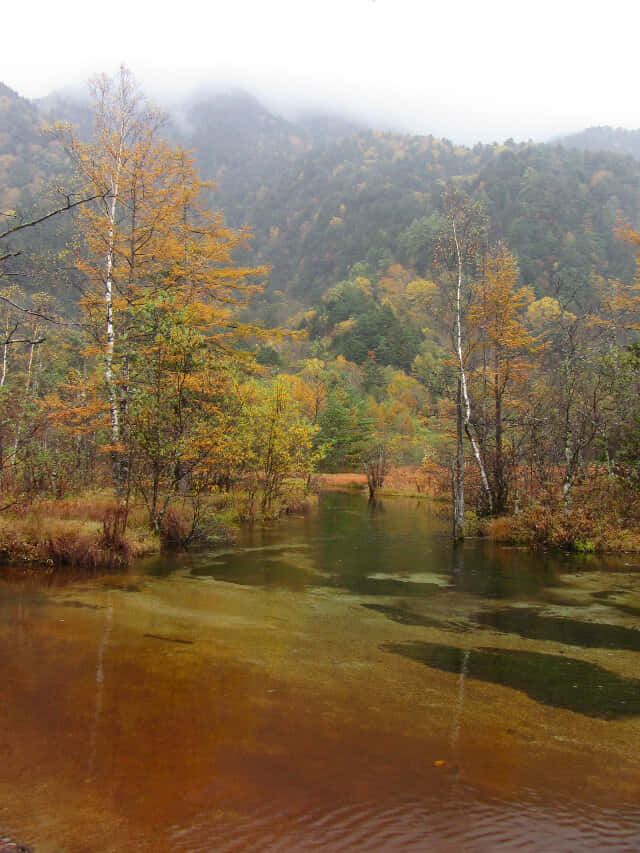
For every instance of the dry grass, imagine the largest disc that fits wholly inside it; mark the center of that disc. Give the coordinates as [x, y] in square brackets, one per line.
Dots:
[83, 533]
[429, 481]
[92, 506]
[349, 480]
[500, 529]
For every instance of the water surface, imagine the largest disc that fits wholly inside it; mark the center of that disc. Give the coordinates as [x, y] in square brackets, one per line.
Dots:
[341, 681]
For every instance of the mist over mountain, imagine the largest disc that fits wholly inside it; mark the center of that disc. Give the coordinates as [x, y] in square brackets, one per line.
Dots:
[604, 138]
[322, 193]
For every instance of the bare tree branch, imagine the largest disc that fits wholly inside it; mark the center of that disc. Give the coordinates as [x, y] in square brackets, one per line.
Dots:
[68, 206]
[32, 313]
[33, 342]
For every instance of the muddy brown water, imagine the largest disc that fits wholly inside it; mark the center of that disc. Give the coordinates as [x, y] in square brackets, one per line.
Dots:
[341, 681]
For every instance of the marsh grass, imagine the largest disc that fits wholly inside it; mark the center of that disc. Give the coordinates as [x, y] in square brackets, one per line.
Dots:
[86, 532]
[93, 532]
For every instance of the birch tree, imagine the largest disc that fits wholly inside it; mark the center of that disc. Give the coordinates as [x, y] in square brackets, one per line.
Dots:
[149, 241]
[456, 254]
[114, 166]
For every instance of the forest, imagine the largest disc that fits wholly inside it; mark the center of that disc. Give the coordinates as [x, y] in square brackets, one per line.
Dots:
[199, 316]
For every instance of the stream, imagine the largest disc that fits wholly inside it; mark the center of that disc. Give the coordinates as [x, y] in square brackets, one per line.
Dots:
[344, 680]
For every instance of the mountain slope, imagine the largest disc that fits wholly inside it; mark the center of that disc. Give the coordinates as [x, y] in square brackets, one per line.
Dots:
[319, 198]
[617, 140]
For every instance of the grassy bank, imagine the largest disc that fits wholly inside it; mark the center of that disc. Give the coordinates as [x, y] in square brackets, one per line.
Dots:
[83, 532]
[93, 532]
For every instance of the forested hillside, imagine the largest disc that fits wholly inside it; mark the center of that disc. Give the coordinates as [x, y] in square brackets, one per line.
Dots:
[319, 197]
[368, 298]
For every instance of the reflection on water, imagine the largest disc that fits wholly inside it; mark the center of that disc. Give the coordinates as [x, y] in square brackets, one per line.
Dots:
[327, 684]
[108, 623]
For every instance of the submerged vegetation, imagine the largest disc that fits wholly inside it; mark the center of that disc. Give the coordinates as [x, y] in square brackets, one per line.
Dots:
[548, 679]
[484, 349]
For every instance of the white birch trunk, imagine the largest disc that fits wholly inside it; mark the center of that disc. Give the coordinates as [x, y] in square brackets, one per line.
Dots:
[27, 386]
[108, 298]
[463, 377]
[5, 348]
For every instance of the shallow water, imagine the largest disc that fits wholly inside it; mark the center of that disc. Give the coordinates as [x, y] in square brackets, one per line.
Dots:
[342, 681]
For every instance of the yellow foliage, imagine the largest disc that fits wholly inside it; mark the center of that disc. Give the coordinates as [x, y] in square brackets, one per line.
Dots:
[363, 284]
[408, 391]
[543, 313]
[345, 326]
[422, 291]
[496, 315]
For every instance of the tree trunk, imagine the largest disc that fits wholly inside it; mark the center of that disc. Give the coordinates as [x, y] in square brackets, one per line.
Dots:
[458, 473]
[463, 378]
[27, 386]
[110, 331]
[500, 484]
[376, 468]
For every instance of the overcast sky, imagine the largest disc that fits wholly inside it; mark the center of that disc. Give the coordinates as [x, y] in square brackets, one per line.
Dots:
[465, 70]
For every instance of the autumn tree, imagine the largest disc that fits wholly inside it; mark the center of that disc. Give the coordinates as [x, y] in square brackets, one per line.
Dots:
[150, 243]
[496, 316]
[261, 438]
[21, 337]
[619, 316]
[162, 292]
[26, 321]
[623, 433]
[283, 440]
[567, 397]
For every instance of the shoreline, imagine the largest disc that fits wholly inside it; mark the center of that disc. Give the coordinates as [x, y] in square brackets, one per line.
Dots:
[84, 535]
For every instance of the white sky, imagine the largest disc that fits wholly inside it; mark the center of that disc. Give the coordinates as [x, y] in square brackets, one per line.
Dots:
[466, 70]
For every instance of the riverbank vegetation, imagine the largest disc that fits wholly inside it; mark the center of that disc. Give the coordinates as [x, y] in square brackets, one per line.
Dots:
[156, 385]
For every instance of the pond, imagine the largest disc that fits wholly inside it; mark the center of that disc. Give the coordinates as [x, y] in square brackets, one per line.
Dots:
[345, 680]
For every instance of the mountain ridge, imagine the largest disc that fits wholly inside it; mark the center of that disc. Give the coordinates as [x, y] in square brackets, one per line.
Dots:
[322, 194]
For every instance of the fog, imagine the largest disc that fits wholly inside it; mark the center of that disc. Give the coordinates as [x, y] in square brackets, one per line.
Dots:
[467, 71]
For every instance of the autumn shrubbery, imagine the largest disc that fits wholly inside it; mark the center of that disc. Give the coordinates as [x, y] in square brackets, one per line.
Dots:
[95, 532]
[246, 503]
[601, 516]
[539, 526]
